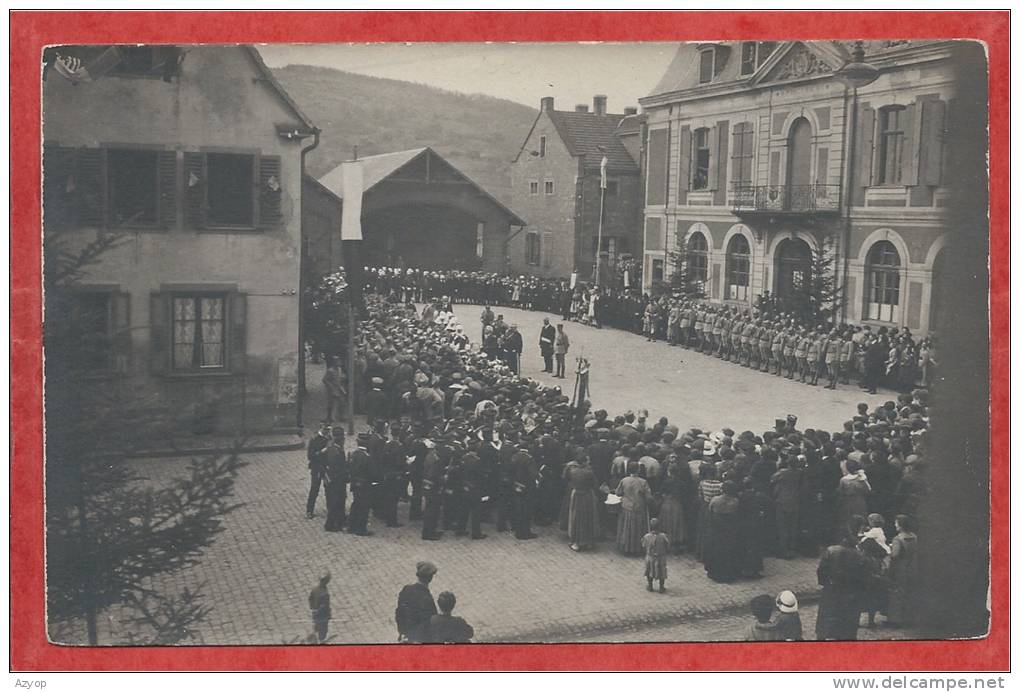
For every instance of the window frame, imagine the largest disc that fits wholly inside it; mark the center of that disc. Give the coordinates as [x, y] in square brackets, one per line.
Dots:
[198, 295]
[738, 266]
[533, 188]
[109, 196]
[107, 292]
[697, 260]
[255, 155]
[541, 146]
[744, 62]
[549, 188]
[882, 283]
[743, 133]
[696, 167]
[885, 135]
[710, 54]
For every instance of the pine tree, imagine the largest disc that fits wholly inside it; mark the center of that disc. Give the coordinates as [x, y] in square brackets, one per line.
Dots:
[109, 531]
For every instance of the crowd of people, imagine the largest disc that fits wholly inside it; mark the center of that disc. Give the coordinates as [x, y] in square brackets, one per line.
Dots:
[769, 336]
[467, 442]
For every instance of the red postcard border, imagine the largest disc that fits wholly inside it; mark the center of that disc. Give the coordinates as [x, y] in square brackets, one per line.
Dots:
[30, 31]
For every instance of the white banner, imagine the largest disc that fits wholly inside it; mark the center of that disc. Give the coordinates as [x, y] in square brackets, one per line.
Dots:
[350, 223]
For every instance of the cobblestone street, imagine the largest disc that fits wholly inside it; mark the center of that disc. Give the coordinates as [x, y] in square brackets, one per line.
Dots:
[259, 571]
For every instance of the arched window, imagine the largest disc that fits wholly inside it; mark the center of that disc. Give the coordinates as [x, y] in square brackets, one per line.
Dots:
[697, 259]
[882, 272]
[738, 268]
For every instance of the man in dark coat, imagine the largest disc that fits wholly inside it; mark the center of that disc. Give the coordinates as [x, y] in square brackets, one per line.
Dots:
[786, 493]
[513, 346]
[316, 464]
[545, 344]
[432, 489]
[874, 364]
[525, 478]
[336, 475]
[394, 479]
[843, 576]
[362, 479]
[318, 603]
[446, 628]
[375, 401]
[415, 605]
[475, 480]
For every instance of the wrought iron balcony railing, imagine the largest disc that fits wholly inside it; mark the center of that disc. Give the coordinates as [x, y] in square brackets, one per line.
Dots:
[785, 199]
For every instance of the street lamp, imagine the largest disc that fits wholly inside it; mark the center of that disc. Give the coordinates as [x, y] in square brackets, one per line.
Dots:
[854, 74]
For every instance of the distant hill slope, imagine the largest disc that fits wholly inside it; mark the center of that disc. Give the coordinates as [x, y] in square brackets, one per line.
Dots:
[478, 134]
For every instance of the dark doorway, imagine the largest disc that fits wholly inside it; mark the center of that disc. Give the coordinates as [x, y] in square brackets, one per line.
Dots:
[421, 235]
[793, 268]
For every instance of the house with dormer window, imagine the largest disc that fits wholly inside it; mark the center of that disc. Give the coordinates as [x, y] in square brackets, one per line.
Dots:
[758, 157]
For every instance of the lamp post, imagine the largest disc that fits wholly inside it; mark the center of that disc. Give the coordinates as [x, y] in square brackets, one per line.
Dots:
[853, 75]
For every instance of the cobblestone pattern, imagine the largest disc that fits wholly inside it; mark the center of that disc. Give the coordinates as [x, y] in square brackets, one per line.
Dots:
[259, 571]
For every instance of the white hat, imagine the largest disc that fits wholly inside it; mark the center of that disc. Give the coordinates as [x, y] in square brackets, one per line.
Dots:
[709, 450]
[786, 602]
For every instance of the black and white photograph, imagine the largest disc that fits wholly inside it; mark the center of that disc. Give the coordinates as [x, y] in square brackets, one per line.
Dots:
[504, 343]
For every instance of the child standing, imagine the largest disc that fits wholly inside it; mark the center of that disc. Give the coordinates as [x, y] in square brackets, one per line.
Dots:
[762, 629]
[656, 547]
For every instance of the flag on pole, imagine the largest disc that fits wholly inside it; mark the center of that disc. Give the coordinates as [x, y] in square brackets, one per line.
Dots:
[605, 163]
[353, 184]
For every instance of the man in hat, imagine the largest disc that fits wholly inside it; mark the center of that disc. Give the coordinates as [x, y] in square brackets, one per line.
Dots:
[561, 344]
[336, 394]
[318, 603]
[316, 464]
[432, 490]
[415, 605]
[362, 478]
[513, 346]
[335, 474]
[525, 481]
[546, 339]
[375, 401]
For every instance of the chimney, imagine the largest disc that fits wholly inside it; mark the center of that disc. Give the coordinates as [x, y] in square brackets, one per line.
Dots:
[599, 104]
[581, 108]
[547, 104]
[630, 110]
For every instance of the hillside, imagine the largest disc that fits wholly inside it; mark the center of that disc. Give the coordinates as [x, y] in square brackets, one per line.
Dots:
[478, 134]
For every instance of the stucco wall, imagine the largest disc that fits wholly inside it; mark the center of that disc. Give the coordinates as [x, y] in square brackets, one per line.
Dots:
[551, 216]
[215, 102]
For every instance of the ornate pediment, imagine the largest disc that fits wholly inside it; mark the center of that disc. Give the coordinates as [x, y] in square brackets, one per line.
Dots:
[799, 62]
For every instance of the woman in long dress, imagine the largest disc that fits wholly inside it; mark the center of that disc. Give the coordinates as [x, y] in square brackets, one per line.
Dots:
[709, 488]
[852, 494]
[671, 514]
[722, 544]
[583, 518]
[903, 573]
[633, 523]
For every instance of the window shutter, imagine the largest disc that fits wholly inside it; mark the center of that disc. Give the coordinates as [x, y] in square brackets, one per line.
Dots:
[933, 123]
[121, 332]
[238, 332]
[168, 189]
[911, 146]
[713, 158]
[775, 167]
[58, 186]
[194, 189]
[269, 192]
[90, 187]
[547, 248]
[159, 334]
[722, 145]
[865, 152]
[684, 174]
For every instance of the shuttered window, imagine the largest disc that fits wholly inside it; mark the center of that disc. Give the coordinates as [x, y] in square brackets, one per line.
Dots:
[133, 187]
[743, 155]
[101, 323]
[701, 159]
[891, 134]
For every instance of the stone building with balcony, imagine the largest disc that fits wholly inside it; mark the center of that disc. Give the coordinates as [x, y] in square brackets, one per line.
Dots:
[760, 159]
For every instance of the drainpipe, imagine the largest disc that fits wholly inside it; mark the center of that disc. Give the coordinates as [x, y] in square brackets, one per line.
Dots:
[302, 268]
